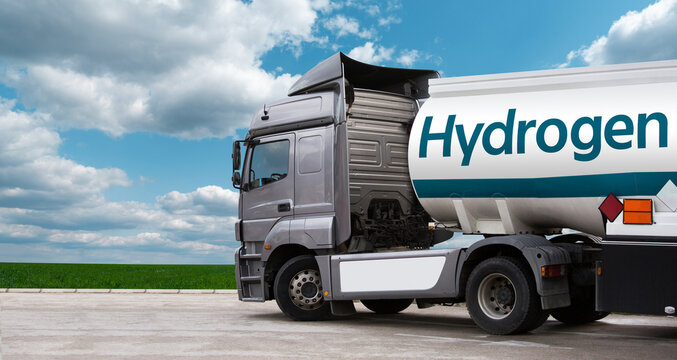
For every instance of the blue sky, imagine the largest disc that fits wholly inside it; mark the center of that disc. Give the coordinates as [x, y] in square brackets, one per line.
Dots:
[116, 118]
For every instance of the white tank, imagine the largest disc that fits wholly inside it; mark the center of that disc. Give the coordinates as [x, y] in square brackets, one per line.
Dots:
[538, 151]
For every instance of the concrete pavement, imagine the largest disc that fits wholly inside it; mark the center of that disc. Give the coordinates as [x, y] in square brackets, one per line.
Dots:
[217, 326]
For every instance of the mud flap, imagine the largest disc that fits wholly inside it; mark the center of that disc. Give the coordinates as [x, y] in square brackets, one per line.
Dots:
[342, 307]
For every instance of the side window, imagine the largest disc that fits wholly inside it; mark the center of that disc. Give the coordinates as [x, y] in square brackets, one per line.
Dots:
[270, 163]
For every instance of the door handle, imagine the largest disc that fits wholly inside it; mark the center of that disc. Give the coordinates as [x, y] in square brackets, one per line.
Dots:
[283, 207]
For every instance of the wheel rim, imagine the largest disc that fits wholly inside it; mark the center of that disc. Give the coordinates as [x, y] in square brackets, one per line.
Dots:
[496, 296]
[305, 289]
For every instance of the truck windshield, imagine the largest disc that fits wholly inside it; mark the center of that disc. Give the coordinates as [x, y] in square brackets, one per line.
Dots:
[270, 162]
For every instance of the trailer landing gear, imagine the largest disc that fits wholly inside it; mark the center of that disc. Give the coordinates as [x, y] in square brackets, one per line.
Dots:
[298, 290]
[501, 297]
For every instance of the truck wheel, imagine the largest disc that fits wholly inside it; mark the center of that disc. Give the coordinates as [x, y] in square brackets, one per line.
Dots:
[298, 290]
[387, 306]
[580, 312]
[501, 297]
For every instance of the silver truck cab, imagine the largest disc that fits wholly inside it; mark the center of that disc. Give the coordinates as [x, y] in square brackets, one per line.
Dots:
[325, 171]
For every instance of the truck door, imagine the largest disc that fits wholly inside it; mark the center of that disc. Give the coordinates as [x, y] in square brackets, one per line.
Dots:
[269, 184]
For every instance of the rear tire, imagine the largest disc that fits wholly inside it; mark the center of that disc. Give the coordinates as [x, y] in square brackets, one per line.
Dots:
[537, 321]
[387, 306]
[298, 290]
[574, 315]
[501, 297]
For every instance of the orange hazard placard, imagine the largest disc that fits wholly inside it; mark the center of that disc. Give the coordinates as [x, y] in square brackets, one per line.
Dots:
[637, 211]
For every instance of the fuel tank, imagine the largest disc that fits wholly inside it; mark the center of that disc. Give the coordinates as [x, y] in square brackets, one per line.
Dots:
[535, 152]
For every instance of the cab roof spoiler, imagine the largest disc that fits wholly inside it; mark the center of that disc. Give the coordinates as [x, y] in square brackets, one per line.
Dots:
[408, 82]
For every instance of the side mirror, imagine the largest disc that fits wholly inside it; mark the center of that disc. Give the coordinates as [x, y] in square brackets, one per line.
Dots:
[237, 162]
[237, 180]
[236, 155]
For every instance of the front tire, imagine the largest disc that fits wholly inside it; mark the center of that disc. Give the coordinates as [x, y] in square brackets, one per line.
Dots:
[298, 290]
[387, 306]
[501, 297]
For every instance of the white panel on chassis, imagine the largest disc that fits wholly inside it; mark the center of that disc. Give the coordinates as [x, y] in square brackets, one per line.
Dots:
[664, 225]
[404, 274]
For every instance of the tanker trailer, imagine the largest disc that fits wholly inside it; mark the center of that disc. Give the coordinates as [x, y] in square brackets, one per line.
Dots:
[348, 182]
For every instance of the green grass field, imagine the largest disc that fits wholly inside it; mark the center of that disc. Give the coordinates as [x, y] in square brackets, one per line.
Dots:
[114, 276]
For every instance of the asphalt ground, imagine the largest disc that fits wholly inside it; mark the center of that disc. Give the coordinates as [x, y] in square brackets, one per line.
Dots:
[218, 326]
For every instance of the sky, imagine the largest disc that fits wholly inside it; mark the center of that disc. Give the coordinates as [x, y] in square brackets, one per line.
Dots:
[117, 117]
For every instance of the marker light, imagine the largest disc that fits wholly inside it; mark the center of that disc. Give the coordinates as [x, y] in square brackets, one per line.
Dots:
[637, 211]
[549, 271]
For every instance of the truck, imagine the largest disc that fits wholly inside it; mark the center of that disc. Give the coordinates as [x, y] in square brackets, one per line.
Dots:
[346, 186]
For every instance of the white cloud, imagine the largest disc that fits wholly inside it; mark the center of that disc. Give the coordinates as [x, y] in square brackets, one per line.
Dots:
[343, 26]
[571, 58]
[643, 35]
[181, 68]
[193, 230]
[141, 239]
[370, 53]
[371, 9]
[34, 176]
[408, 57]
[101, 225]
[77, 100]
[205, 200]
[19, 231]
[47, 199]
[394, 5]
[144, 180]
[23, 137]
[95, 240]
[390, 19]
[325, 6]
